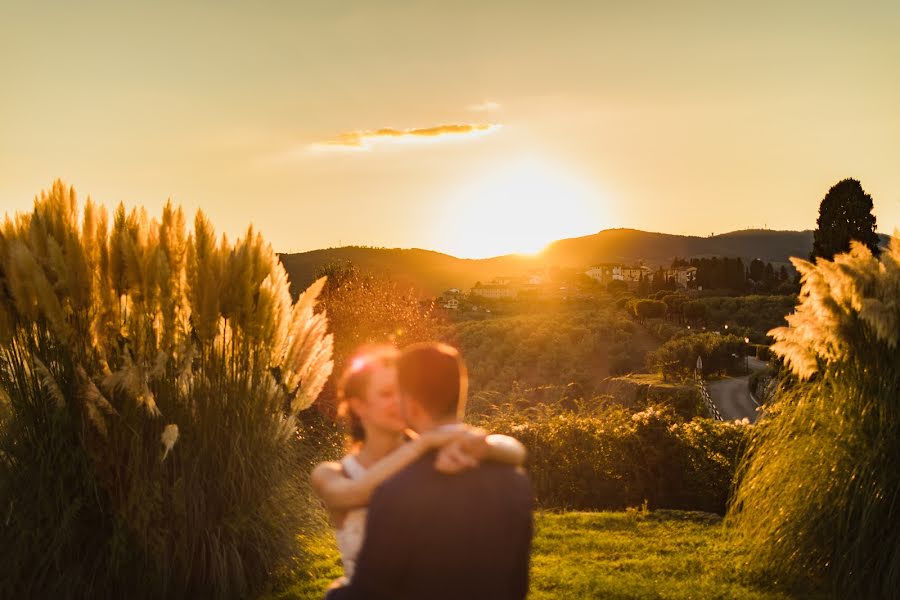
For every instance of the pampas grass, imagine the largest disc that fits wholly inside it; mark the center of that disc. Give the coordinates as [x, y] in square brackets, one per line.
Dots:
[819, 492]
[151, 379]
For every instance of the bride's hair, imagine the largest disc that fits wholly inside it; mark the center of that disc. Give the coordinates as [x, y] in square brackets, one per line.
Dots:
[354, 383]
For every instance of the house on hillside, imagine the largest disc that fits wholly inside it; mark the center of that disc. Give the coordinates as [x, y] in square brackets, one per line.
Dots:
[493, 290]
[605, 272]
[451, 304]
[635, 274]
[683, 276]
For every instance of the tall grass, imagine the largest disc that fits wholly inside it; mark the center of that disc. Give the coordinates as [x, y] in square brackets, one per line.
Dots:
[151, 380]
[819, 493]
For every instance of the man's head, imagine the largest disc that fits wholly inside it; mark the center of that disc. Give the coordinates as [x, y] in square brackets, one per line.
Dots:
[433, 385]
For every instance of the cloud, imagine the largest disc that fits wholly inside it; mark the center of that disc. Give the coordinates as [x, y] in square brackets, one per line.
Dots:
[486, 106]
[366, 139]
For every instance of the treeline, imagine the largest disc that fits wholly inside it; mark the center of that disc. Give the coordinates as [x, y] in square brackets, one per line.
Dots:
[666, 314]
[724, 273]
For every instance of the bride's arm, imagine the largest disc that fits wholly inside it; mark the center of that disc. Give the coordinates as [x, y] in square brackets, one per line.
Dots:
[339, 492]
[474, 447]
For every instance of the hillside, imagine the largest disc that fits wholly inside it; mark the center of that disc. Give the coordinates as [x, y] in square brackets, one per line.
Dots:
[630, 245]
[433, 272]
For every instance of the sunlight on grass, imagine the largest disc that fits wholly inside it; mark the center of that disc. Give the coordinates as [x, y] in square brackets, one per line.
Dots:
[611, 555]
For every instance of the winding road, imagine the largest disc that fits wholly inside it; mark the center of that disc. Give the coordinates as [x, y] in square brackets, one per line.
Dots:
[732, 396]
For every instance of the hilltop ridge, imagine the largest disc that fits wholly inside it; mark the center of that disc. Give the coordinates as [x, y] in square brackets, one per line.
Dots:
[433, 272]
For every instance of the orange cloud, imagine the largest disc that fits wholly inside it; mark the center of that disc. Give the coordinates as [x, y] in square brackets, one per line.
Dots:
[364, 140]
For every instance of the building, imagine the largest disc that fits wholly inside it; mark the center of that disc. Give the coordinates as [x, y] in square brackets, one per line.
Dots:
[683, 276]
[633, 275]
[451, 304]
[604, 273]
[494, 290]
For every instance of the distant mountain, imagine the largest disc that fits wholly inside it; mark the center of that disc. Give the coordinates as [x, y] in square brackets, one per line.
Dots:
[429, 271]
[631, 245]
[433, 272]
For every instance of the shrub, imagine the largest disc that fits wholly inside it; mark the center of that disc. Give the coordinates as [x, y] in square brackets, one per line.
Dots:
[643, 391]
[148, 446]
[649, 309]
[695, 311]
[820, 489]
[606, 457]
[678, 356]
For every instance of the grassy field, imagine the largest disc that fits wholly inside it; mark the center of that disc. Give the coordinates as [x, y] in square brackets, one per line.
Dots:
[611, 555]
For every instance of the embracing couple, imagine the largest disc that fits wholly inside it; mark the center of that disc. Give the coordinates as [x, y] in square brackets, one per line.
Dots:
[423, 506]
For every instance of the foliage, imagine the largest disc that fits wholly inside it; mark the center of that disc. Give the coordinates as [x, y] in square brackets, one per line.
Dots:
[845, 215]
[820, 488]
[678, 356]
[368, 309]
[599, 456]
[552, 347]
[649, 309]
[641, 391]
[750, 316]
[153, 381]
[664, 330]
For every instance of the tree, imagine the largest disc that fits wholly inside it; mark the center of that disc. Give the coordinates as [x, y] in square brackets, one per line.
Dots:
[643, 286]
[674, 304]
[649, 309]
[757, 270]
[845, 214]
[695, 311]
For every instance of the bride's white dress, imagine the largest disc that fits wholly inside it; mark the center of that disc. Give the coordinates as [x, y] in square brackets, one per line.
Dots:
[350, 535]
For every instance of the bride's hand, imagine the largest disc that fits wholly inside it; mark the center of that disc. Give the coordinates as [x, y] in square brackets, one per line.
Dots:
[465, 451]
[439, 438]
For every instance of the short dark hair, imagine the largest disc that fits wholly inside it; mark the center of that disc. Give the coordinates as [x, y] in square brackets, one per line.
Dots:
[435, 376]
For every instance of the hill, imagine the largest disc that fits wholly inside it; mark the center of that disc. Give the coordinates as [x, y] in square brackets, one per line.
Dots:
[433, 272]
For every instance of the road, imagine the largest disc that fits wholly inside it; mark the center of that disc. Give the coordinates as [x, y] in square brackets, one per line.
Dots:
[732, 395]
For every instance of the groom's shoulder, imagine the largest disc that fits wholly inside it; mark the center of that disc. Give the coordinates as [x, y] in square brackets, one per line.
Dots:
[403, 486]
[421, 476]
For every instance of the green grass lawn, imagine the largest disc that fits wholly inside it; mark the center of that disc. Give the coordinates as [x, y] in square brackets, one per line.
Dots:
[611, 555]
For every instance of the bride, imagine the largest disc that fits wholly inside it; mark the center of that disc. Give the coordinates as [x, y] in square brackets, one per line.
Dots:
[381, 446]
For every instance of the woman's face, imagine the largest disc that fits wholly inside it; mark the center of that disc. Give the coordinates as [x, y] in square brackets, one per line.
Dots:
[381, 406]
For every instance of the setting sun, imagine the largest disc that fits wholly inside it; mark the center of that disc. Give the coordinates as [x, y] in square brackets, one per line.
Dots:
[518, 207]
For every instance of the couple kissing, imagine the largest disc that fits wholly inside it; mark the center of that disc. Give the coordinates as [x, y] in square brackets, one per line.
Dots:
[423, 506]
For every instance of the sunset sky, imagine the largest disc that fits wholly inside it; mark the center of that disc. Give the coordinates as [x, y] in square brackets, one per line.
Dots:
[473, 128]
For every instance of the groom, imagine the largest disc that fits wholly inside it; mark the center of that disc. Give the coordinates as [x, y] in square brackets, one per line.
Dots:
[436, 536]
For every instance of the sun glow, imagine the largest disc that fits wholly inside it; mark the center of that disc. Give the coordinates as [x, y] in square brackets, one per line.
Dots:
[518, 207]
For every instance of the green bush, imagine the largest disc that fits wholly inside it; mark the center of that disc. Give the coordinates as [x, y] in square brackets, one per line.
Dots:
[649, 309]
[750, 316]
[149, 444]
[678, 357]
[606, 457]
[819, 490]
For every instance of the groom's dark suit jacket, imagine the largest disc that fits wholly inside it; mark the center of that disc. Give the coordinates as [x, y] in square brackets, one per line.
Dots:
[435, 536]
